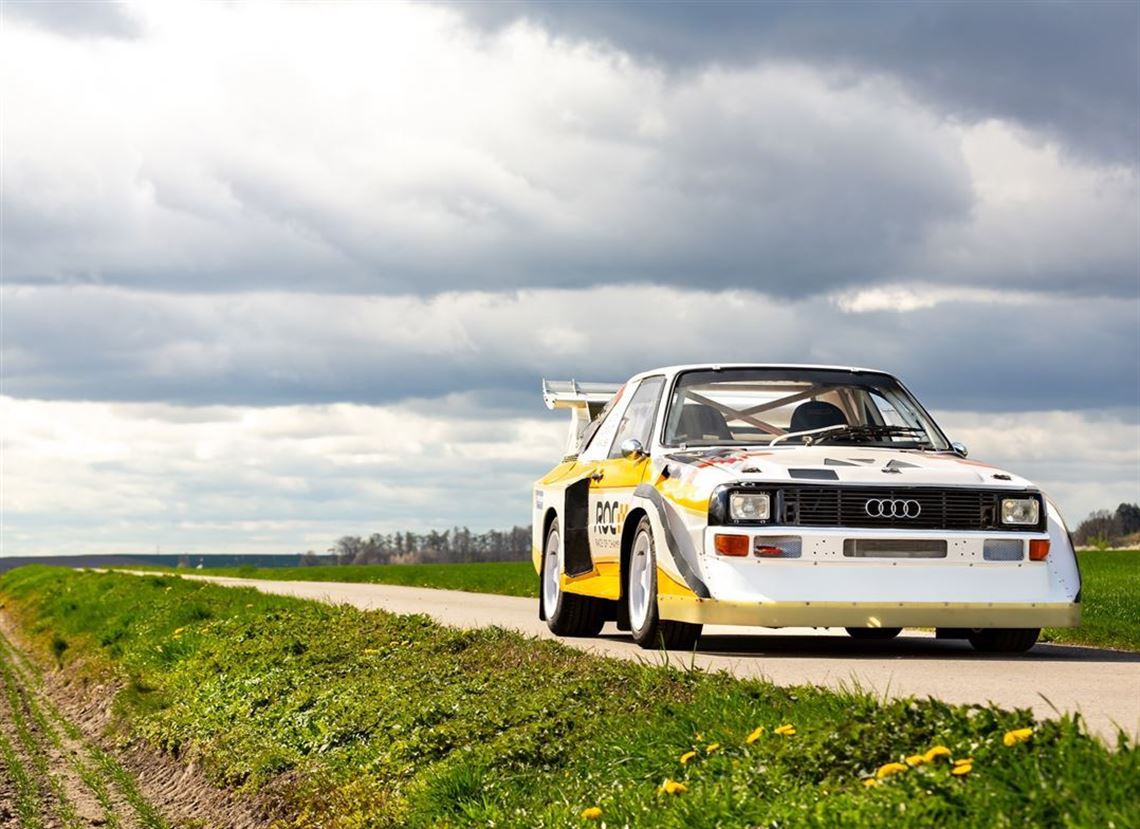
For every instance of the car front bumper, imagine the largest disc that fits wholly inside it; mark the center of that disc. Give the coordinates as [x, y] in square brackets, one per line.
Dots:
[869, 614]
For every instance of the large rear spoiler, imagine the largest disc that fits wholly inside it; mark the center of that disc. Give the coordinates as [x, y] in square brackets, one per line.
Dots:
[584, 400]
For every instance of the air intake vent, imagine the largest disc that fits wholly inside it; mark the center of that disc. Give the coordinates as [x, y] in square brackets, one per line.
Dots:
[894, 548]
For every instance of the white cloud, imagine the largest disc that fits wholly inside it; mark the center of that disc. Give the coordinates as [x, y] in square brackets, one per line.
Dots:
[390, 148]
[94, 477]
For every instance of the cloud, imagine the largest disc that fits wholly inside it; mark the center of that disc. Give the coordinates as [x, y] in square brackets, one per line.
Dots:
[1065, 69]
[75, 18]
[411, 154]
[121, 478]
[961, 350]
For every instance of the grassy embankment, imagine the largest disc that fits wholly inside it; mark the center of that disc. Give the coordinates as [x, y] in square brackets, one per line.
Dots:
[353, 719]
[1110, 599]
[57, 777]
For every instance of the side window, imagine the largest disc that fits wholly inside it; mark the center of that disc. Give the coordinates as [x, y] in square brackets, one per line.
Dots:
[637, 421]
[597, 435]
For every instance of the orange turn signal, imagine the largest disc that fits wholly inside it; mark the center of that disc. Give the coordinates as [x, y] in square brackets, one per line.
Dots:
[1038, 549]
[731, 545]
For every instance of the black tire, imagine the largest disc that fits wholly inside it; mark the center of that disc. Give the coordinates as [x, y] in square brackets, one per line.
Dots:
[655, 632]
[1003, 640]
[572, 615]
[873, 633]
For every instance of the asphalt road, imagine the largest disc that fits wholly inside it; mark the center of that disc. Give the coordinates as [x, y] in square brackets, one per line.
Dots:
[1103, 685]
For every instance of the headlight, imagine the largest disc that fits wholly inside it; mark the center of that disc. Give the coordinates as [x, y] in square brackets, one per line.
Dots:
[1026, 511]
[749, 506]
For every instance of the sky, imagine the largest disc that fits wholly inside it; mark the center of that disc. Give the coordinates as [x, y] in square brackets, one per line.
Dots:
[273, 273]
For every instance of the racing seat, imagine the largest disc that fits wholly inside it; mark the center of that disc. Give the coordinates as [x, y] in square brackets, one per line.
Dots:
[816, 414]
[700, 421]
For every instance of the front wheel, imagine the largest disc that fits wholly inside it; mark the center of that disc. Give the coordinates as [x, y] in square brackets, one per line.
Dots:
[567, 614]
[648, 628]
[1003, 640]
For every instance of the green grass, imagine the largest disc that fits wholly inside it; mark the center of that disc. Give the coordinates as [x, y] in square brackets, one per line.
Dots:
[344, 718]
[1110, 601]
[506, 578]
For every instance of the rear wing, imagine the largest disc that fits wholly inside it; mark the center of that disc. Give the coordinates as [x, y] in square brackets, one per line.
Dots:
[584, 400]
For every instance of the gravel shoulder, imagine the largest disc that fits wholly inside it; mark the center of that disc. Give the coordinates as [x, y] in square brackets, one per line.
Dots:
[59, 769]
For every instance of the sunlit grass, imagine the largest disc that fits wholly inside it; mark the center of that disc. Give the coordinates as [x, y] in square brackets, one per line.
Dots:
[347, 718]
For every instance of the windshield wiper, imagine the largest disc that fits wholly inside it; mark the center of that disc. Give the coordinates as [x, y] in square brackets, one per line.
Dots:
[868, 432]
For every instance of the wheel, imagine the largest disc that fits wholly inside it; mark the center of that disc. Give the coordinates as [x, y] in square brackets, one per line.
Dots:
[650, 630]
[567, 614]
[1003, 640]
[873, 633]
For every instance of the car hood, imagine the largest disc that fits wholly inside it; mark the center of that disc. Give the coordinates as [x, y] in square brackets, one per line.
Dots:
[836, 464]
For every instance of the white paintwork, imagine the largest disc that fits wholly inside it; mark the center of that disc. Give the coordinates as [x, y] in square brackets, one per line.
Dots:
[823, 574]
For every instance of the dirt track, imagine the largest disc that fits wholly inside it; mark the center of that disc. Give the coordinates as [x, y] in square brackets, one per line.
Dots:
[56, 772]
[1103, 685]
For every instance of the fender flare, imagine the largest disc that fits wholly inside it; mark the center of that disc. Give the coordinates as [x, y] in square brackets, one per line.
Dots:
[683, 558]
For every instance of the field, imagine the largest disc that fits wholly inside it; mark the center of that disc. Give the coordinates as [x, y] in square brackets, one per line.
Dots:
[1110, 596]
[333, 717]
[506, 578]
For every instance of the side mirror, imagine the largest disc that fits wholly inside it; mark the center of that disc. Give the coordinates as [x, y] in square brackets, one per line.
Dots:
[631, 449]
[959, 449]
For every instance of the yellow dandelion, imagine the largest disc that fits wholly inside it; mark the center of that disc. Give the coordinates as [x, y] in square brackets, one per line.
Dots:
[755, 735]
[591, 813]
[687, 756]
[700, 739]
[870, 781]
[178, 631]
[964, 761]
[962, 769]
[936, 752]
[916, 759]
[673, 787]
[711, 747]
[887, 769]
[1018, 735]
[786, 730]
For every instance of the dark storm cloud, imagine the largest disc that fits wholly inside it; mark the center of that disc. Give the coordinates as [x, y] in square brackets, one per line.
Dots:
[974, 354]
[76, 18]
[1069, 69]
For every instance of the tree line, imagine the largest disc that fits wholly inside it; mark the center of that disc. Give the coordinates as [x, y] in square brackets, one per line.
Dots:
[1106, 528]
[1103, 528]
[458, 544]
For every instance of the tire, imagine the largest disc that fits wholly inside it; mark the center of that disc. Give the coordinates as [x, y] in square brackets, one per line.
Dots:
[1003, 640]
[648, 628]
[567, 614]
[873, 633]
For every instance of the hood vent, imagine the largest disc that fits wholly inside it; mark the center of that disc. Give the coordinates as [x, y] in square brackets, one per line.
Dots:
[814, 474]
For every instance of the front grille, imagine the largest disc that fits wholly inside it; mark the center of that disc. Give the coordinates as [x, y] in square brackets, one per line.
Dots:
[922, 508]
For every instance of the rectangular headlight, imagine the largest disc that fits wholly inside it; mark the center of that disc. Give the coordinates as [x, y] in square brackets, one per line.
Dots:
[749, 506]
[1021, 511]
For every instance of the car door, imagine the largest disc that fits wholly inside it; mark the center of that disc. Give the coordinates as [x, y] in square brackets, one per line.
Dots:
[613, 478]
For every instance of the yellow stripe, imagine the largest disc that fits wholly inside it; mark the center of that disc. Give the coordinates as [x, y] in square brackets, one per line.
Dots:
[604, 581]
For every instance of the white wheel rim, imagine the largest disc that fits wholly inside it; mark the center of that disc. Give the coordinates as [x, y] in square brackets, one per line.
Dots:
[550, 582]
[640, 581]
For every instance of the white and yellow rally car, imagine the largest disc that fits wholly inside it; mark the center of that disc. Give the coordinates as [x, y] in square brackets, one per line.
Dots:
[783, 495]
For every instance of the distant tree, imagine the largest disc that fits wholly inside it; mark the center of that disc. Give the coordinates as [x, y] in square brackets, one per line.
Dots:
[1128, 516]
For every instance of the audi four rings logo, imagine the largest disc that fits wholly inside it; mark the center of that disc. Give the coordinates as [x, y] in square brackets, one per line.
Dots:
[892, 508]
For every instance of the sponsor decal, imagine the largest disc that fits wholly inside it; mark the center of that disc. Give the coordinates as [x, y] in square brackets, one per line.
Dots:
[538, 499]
[609, 518]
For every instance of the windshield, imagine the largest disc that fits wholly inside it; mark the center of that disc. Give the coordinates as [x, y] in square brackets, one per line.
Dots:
[762, 406]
